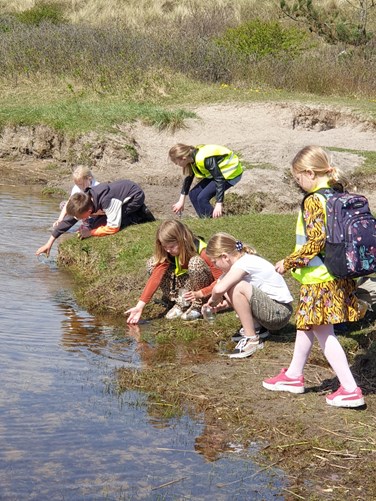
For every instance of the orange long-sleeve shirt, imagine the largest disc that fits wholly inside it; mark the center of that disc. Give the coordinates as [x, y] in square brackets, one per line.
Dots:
[158, 273]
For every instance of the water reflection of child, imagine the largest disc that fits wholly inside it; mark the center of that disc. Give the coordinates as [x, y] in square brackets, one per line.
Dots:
[180, 261]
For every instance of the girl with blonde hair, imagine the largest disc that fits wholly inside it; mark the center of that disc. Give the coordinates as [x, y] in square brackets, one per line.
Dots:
[218, 169]
[179, 263]
[258, 294]
[324, 299]
[83, 178]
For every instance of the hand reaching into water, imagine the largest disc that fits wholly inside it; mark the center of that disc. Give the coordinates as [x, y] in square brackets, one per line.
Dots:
[46, 248]
[135, 313]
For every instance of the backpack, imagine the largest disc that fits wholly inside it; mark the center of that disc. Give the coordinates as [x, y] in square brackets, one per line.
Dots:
[350, 249]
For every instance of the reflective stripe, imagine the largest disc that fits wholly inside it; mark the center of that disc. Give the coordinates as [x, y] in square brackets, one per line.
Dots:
[230, 166]
[316, 271]
[181, 271]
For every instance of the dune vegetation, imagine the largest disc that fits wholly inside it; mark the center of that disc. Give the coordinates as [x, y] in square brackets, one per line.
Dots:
[62, 60]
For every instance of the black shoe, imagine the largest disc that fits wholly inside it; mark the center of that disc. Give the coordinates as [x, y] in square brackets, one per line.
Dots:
[262, 332]
[147, 214]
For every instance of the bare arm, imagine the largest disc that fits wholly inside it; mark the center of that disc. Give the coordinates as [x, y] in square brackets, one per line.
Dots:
[46, 248]
[232, 277]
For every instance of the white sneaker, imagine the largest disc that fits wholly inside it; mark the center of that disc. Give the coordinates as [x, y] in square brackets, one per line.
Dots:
[191, 314]
[175, 312]
[246, 348]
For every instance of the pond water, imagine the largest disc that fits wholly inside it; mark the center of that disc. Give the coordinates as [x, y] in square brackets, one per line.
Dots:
[65, 433]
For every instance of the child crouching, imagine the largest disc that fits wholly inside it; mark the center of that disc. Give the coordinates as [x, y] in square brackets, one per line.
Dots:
[252, 286]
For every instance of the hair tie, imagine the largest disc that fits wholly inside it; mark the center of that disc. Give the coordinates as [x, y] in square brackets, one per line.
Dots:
[238, 245]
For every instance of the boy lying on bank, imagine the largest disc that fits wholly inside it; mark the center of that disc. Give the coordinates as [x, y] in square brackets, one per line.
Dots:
[108, 207]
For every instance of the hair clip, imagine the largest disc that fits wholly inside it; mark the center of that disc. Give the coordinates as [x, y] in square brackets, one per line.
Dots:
[238, 245]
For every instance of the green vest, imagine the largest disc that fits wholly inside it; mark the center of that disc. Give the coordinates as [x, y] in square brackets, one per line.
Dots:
[315, 272]
[200, 244]
[230, 166]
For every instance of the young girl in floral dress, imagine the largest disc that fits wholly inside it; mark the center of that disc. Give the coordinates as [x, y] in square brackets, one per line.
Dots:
[324, 299]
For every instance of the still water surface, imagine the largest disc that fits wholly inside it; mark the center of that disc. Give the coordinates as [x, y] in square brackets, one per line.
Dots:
[65, 434]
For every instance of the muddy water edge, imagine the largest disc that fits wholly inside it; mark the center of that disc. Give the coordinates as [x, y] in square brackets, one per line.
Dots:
[66, 432]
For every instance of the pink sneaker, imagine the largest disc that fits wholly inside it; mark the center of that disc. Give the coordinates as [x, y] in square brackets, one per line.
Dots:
[284, 383]
[343, 398]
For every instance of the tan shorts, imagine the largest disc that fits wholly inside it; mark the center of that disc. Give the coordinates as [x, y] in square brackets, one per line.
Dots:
[269, 313]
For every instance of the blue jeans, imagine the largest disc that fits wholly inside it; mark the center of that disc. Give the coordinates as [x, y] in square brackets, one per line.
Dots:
[201, 195]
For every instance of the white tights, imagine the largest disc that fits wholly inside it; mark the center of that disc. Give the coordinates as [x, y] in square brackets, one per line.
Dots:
[331, 348]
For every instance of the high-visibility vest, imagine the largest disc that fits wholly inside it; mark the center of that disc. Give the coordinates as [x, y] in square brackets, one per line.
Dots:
[315, 272]
[230, 166]
[200, 245]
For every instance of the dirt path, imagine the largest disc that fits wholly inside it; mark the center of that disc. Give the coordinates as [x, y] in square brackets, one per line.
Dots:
[265, 136]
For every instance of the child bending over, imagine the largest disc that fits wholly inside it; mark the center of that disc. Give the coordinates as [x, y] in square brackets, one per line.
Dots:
[218, 169]
[119, 204]
[179, 262]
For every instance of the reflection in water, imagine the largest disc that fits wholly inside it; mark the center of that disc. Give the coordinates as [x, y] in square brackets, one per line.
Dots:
[212, 442]
[65, 431]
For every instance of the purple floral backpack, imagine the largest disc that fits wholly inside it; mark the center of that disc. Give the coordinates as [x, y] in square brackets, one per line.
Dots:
[350, 249]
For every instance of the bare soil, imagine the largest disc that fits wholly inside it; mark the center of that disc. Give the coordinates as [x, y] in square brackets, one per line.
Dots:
[267, 136]
[328, 453]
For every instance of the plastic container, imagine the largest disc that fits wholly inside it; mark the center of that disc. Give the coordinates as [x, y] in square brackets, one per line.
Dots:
[182, 301]
[208, 313]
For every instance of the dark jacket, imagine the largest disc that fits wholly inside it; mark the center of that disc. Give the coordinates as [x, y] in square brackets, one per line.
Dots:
[116, 199]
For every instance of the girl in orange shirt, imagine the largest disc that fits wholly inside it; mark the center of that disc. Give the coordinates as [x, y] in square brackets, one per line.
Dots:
[179, 262]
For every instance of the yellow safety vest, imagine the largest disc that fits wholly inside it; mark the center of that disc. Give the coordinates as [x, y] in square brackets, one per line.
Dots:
[230, 166]
[315, 272]
[181, 271]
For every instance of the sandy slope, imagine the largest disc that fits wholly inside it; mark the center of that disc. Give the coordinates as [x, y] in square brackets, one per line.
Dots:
[266, 136]
[262, 134]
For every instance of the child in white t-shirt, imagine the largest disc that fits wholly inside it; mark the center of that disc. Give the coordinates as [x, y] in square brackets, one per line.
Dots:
[258, 294]
[83, 178]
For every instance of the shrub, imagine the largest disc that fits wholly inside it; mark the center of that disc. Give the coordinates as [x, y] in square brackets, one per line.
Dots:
[331, 22]
[262, 38]
[42, 11]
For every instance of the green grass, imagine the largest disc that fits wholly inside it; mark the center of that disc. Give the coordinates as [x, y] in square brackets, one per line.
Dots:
[87, 111]
[369, 165]
[84, 114]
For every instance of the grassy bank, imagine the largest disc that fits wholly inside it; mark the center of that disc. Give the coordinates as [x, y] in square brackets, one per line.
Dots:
[105, 267]
[327, 453]
[110, 278]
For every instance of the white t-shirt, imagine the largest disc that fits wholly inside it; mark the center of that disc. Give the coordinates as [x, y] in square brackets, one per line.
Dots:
[261, 274]
[76, 189]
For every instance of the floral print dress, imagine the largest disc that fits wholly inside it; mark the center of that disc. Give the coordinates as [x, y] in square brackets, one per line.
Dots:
[328, 302]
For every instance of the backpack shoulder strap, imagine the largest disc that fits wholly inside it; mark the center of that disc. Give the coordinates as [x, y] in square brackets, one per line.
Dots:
[322, 191]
